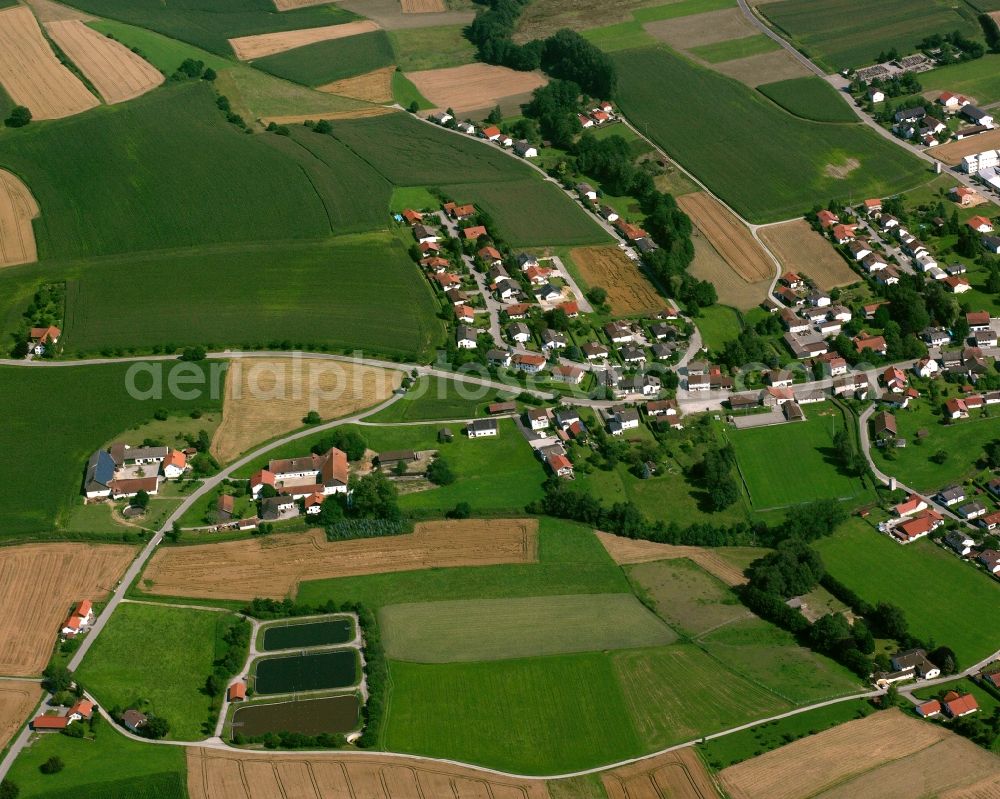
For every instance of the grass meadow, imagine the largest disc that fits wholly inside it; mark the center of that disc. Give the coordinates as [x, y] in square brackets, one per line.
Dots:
[944, 599]
[810, 98]
[161, 656]
[681, 8]
[979, 79]
[434, 399]
[851, 33]
[717, 325]
[434, 47]
[503, 629]
[730, 49]
[63, 435]
[211, 23]
[324, 62]
[801, 159]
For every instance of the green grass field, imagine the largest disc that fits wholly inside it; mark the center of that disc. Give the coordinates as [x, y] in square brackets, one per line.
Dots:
[810, 98]
[108, 766]
[619, 36]
[352, 292]
[532, 716]
[210, 23]
[161, 655]
[502, 629]
[731, 49]
[801, 159]
[717, 325]
[570, 561]
[435, 47]
[63, 437]
[789, 464]
[851, 33]
[434, 398]
[880, 569]
[682, 8]
[979, 79]
[324, 62]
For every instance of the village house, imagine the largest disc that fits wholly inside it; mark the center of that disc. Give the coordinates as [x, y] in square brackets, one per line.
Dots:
[989, 522]
[519, 332]
[237, 692]
[490, 256]
[560, 465]
[990, 559]
[474, 233]
[826, 219]
[972, 510]
[976, 115]
[573, 375]
[537, 418]
[926, 367]
[924, 523]
[525, 149]
[620, 419]
[980, 224]
[957, 705]
[483, 428]
[965, 196]
[594, 351]
[618, 333]
[41, 337]
[586, 192]
[935, 336]
[301, 476]
[951, 495]
[529, 362]
[873, 263]
[863, 342]
[960, 542]
[859, 249]
[913, 504]
[955, 408]
[929, 709]
[465, 337]
[79, 619]
[884, 426]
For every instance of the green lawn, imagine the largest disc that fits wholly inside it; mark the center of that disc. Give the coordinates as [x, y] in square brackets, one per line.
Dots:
[406, 93]
[790, 464]
[979, 79]
[324, 62]
[65, 435]
[416, 197]
[502, 629]
[881, 570]
[730, 49]
[852, 33]
[619, 36]
[717, 325]
[802, 160]
[434, 47]
[107, 766]
[810, 98]
[161, 655]
[434, 398]
[570, 561]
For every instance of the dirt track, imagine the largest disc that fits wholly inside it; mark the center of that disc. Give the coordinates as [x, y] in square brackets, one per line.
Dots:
[801, 249]
[265, 44]
[269, 396]
[116, 72]
[372, 87]
[729, 236]
[17, 700]
[627, 550]
[629, 291]
[674, 775]
[17, 209]
[216, 774]
[31, 73]
[474, 86]
[38, 585]
[274, 566]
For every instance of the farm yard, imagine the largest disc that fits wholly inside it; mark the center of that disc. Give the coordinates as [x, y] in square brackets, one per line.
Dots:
[17, 209]
[327, 61]
[273, 395]
[799, 157]
[476, 87]
[274, 567]
[331, 714]
[32, 75]
[630, 292]
[116, 72]
[213, 773]
[801, 249]
[248, 48]
[17, 701]
[977, 79]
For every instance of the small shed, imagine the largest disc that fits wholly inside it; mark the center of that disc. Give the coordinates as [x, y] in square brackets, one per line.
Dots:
[445, 435]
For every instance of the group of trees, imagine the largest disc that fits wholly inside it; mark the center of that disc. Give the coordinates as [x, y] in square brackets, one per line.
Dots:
[954, 46]
[715, 472]
[905, 85]
[991, 31]
[237, 641]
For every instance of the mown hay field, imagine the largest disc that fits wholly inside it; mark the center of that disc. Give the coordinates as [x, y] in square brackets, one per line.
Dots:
[501, 629]
[266, 397]
[17, 209]
[274, 567]
[116, 72]
[474, 86]
[247, 775]
[39, 584]
[629, 291]
[327, 61]
[261, 45]
[795, 154]
[32, 75]
[801, 249]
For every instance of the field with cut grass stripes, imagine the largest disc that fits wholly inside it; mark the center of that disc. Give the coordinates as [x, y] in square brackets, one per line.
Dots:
[500, 629]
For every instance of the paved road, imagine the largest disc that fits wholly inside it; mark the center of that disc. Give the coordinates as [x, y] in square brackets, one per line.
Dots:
[758, 23]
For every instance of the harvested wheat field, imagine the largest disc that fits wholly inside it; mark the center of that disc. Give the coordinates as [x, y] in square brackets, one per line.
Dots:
[273, 394]
[626, 551]
[629, 291]
[810, 766]
[39, 583]
[953, 152]
[732, 289]
[17, 700]
[265, 44]
[116, 72]
[274, 566]
[422, 6]
[31, 73]
[50, 11]
[801, 249]
[373, 87]
[984, 789]
[17, 209]
[474, 86]
[213, 774]
[673, 775]
[730, 237]
[762, 68]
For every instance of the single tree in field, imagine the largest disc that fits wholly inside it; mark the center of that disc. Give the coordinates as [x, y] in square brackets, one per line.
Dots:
[19, 117]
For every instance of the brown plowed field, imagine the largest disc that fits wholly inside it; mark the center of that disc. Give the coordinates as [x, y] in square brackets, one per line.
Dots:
[801, 249]
[17, 700]
[31, 73]
[729, 236]
[374, 87]
[627, 550]
[274, 566]
[953, 152]
[116, 72]
[629, 291]
[264, 44]
[474, 86]
[269, 396]
[38, 585]
[807, 767]
[674, 775]
[17, 209]
[214, 774]
[422, 6]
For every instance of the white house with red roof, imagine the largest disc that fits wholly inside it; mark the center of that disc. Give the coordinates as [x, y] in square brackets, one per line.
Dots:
[303, 476]
[79, 619]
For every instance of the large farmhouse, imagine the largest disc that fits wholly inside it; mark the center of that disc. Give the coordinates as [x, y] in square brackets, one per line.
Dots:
[301, 477]
[123, 471]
